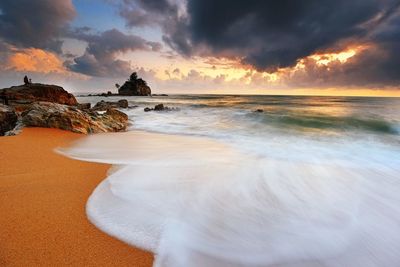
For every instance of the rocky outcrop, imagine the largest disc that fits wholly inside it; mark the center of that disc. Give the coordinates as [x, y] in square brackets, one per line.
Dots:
[104, 105]
[160, 107]
[135, 88]
[71, 118]
[8, 119]
[38, 92]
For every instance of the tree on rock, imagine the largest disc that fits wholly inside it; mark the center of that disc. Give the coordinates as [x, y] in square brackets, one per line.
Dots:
[135, 86]
[133, 77]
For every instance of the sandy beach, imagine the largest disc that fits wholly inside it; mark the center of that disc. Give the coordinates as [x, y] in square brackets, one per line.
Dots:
[42, 206]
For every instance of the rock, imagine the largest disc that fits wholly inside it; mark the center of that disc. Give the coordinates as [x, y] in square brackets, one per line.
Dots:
[71, 118]
[259, 110]
[123, 103]
[160, 107]
[84, 106]
[135, 86]
[104, 105]
[39, 92]
[116, 116]
[20, 105]
[8, 119]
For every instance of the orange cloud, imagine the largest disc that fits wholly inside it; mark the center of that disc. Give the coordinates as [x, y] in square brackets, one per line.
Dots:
[342, 57]
[35, 60]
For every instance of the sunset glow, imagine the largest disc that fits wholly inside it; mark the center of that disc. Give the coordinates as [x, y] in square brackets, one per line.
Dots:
[35, 60]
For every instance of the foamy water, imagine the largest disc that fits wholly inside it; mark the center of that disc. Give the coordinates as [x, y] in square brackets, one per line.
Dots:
[283, 188]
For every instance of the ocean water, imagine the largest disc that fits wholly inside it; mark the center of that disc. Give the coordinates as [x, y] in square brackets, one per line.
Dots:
[310, 181]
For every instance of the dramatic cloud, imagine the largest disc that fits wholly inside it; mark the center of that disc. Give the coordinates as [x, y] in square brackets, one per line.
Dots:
[100, 58]
[38, 23]
[270, 35]
[169, 15]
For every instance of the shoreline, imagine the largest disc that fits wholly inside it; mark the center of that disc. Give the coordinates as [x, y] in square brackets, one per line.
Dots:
[42, 200]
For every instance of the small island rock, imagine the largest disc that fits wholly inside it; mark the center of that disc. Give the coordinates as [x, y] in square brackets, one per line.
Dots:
[134, 87]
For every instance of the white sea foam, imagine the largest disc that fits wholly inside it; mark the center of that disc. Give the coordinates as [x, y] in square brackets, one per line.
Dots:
[197, 202]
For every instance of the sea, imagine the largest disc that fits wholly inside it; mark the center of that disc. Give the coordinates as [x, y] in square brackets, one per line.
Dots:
[234, 180]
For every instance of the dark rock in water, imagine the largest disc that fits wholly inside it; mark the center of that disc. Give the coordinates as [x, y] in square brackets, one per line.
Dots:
[71, 118]
[8, 119]
[135, 87]
[38, 92]
[160, 107]
[109, 93]
[104, 105]
[259, 110]
[123, 103]
[84, 106]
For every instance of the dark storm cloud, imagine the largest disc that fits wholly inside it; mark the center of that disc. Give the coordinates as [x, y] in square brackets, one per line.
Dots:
[145, 13]
[163, 13]
[100, 57]
[269, 34]
[38, 23]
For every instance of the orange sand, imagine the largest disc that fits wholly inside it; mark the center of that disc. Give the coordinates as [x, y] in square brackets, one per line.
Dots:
[42, 207]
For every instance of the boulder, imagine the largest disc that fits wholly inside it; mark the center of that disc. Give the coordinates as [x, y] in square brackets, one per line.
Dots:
[38, 92]
[160, 107]
[123, 103]
[71, 118]
[135, 88]
[104, 105]
[8, 119]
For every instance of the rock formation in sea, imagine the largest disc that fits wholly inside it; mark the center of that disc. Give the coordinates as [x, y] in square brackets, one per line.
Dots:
[160, 107]
[134, 87]
[41, 105]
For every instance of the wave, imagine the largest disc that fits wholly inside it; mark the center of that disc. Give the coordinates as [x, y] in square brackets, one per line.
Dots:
[312, 121]
[197, 202]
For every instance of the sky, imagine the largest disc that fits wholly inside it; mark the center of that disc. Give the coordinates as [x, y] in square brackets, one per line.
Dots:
[308, 47]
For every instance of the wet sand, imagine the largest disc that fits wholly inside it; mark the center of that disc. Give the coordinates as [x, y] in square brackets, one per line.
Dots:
[42, 206]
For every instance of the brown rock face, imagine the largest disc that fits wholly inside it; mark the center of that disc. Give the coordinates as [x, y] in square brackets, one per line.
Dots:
[8, 119]
[104, 105]
[53, 115]
[39, 92]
